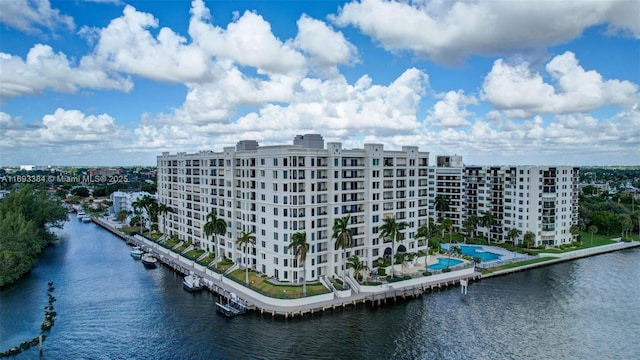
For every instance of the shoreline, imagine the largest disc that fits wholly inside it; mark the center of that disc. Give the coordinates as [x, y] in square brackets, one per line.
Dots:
[373, 296]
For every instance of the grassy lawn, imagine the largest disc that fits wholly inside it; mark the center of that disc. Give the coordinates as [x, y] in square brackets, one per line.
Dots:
[222, 266]
[207, 260]
[260, 284]
[155, 235]
[517, 264]
[130, 230]
[181, 248]
[171, 243]
[194, 254]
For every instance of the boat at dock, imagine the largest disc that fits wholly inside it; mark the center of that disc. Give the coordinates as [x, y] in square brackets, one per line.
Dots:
[149, 261]
[192, 283]
[136, 253]
[85, 219]
[232, 308]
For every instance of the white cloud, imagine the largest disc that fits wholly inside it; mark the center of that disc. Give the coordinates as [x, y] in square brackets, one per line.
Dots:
[517, 88]
[32, 16]
[248, 41]
[126, 45]
[450, 31]
[451, 110]
[43, 69]
[326, 47]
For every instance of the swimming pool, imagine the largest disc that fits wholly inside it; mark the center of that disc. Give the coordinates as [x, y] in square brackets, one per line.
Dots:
[443, 263]
[476, 251]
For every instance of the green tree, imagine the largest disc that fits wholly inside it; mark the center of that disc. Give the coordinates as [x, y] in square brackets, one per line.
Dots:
[487, 220]
[353, 262]
[163, 210]
[300, 248]
[215, 226]
[592, 230]
[80, 191]
[25, 217]
[343, 239]
[246, 239]
[529, 239]
[469, 225]
[391, 229]
[513, 234]
[442, 205]
[575, 231]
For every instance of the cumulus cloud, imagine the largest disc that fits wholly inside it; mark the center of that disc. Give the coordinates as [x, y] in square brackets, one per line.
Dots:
[518, 88]
[126, 45]
[450, 31]
[247, 41]
[326, 47]
[44, 69]
[451, 111]
[32, 16]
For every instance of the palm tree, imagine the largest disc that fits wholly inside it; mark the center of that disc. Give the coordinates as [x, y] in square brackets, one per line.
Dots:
[424, 232]
[300, 248]
[138, 205]
[513, 235]
[592, 230]
[529, 239]
[442, 205]
[448, 224]
[469, 225]
[487, 220]
[343, 237]
[215, 226]
[357, 266]
[575, 231]
[164, 209]
[391, 229]
[246, 239]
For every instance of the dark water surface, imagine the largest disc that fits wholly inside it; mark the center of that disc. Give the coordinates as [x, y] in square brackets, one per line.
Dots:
[110, 307]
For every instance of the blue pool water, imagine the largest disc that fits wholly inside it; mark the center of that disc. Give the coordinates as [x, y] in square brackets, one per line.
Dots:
[473, 252]
[443, 263]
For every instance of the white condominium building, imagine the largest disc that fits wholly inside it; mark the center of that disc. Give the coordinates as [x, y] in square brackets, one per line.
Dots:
[539, 199]
[276, 191]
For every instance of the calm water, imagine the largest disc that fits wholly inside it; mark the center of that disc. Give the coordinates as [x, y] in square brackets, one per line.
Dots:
[110, 307]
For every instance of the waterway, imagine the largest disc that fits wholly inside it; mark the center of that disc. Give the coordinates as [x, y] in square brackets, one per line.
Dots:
[110, 307]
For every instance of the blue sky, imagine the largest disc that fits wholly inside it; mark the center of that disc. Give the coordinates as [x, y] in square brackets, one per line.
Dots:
[106, 82]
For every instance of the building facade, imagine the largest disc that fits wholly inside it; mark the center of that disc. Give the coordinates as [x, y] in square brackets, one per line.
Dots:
[276, 191]
[538, 199]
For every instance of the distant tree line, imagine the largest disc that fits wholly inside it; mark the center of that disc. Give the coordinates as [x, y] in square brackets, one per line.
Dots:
[26, 215]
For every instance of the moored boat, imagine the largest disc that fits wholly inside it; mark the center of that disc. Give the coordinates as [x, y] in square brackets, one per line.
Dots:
[232, 308]
[136, 253]
[149, 261]
[86, 219]
[192, 283]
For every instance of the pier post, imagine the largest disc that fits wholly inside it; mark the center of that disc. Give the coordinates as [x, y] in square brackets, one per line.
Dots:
[463, 286]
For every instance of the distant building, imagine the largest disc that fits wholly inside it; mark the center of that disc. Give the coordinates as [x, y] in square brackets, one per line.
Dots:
[104, 172]
[123, 201]
[27, 167]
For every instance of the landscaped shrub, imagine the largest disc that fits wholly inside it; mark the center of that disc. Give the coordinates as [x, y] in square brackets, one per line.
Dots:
[446, 270]
[372, 283]
[382, 272]
[426, 273]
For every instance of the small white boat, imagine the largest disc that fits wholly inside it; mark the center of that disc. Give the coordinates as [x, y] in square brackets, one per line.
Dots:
[81, 214]
[136, 253]
[149, 261]
[192, 283]
[86, 219]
